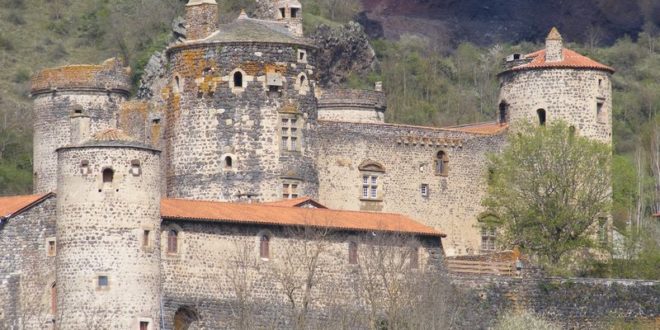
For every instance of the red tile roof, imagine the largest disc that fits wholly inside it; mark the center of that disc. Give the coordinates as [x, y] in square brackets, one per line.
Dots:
[657, 215]
[12, 205]
[292, 216]
[571, 60]
[490, 128]
[296, 202]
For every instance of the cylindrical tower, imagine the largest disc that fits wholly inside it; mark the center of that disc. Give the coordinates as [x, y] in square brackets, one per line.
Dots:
[61, 97]
[556, 83]
[108, 225]
[241, 106]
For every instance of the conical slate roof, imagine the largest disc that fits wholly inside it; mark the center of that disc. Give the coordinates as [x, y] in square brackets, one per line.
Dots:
[112, 137]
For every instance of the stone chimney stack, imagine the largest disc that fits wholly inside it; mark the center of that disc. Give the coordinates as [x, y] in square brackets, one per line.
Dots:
[553, 46]
[80, 123]
[201, 18]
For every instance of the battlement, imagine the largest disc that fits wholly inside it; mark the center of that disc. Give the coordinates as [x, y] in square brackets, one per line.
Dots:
[109, 76]
[352, 98]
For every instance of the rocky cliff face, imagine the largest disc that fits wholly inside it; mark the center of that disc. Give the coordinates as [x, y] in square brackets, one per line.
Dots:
[487, 22]
[342, 51]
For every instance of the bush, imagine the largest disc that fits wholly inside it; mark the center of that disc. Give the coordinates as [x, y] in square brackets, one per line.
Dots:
[522, 321]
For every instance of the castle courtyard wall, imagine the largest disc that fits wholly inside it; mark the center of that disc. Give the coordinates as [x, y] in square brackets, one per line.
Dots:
[408, 155]
[211, 265]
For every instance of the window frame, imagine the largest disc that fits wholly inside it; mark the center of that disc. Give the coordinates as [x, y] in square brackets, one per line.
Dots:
[264, 246]
[290, 133]
[489, 237]
[441, 163]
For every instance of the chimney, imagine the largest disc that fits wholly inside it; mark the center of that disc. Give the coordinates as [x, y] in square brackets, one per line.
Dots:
[201, 18]
[79, 125]
[553, 46]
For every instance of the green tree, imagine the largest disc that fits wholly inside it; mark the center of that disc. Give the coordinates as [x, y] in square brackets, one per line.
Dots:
[548, 190]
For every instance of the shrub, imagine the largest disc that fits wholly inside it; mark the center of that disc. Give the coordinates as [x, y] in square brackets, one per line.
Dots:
[522, 321]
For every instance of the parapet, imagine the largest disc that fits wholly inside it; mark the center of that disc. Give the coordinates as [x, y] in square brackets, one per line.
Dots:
[352, 98]
[110, 76]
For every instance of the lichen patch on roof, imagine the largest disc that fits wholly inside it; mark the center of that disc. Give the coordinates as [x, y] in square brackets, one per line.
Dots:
[112, 134]
[12, 205]
[571, 60]
[293, 216]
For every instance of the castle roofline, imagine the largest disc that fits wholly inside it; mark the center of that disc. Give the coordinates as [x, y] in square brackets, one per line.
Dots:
[246, 30]
[296, 202]
[111, 138]
[485, 129]
[11, 206]
[110, 76]
[260, 214]
[571, 60]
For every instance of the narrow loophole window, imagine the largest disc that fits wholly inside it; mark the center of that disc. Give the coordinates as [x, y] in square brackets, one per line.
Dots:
[172, 241]
[228, 162]
[264, 247]
[352, 253]
[145, 238]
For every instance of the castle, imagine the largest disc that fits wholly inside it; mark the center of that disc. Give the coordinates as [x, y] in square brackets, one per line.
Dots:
[138, 205]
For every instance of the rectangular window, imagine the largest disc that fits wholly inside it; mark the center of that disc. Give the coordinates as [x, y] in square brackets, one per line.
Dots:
[370, 187]
[425, 190]
[145, 238]
[102, 282]
[144, 325]
[488, 239]
[601, 117]
[51, 247]
[602, 231]
[289, 190]
[290, 135]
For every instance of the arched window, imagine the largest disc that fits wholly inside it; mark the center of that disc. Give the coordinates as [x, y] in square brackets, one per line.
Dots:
[541, 114]
[177, 84]
[352, 252]
[238, 79]
[264, 246]
[571, 131]
[302, 81]
[503, 112]
[441, 163]
[108, 175]
[172, 241]
[228, 162]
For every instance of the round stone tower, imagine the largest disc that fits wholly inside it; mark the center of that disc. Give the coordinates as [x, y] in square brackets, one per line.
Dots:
[240, 110]
[108, 232]
[71, 102]
[556, 83]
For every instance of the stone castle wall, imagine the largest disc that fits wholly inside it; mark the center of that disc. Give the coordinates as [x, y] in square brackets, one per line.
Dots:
[97, 90]
[27, 271]
[408, 155]
[209, 119]
[568, 94]
[217, 260]
[101, 230]
[352, 105]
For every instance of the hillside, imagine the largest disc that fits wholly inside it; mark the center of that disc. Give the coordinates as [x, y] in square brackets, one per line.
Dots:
[438, 61]
[511, 21]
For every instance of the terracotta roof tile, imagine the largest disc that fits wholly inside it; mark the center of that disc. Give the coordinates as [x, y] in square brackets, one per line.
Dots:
[490, 128]
[571, 60]
[657, 215]
[12, 205]
[293, 202]
[292, 216]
